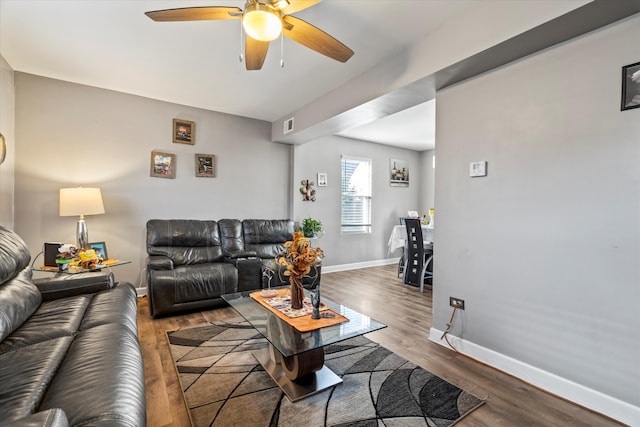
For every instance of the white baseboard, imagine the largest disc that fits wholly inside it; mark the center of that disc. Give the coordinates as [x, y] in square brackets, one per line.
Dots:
[141, 291]
[357, 265]
[584, 396]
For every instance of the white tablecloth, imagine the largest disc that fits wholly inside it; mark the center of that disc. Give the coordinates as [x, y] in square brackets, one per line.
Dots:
[399, 235]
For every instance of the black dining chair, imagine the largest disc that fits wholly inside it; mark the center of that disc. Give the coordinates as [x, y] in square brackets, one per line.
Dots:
[418, 268]
[402, 257]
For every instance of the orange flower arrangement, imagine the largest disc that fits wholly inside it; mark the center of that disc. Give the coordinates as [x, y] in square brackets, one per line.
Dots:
[298, 257]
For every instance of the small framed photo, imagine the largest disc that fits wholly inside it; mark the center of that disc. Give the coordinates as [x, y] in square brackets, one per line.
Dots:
[184, 131]
[206, 165]
[322, 179]
[399, 173]
[100, 248]
[477, 169]
[163, 165]
[630, 86]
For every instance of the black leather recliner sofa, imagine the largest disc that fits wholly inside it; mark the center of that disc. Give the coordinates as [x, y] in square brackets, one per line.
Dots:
[69, 350]
[192, 263]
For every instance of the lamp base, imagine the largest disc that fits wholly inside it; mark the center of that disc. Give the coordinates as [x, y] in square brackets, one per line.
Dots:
[82, 234]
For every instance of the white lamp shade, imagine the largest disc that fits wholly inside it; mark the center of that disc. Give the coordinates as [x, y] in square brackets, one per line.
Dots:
[80, 201]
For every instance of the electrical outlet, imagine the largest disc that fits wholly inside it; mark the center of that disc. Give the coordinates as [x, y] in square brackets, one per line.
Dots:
[456, 302]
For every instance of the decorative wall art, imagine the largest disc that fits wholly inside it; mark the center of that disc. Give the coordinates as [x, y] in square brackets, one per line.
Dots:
[322, 179]
[307, 191]
[205, 165]
[163, 165]
[399, 173]
[184, 131]
[631, 86]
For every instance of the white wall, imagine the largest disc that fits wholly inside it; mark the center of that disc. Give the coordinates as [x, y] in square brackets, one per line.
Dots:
[388, 205]
[546, 249]
[481, 26]
[7, 128]
[427, 193]
[69, 135]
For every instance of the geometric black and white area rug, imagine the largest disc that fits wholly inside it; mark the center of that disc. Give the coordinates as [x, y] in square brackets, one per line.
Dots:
[223, 384]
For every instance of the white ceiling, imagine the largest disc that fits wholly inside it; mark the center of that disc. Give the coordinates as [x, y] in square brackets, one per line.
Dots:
[111, 44]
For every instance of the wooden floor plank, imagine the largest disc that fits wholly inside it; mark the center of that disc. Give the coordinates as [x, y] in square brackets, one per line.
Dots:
[378, 293]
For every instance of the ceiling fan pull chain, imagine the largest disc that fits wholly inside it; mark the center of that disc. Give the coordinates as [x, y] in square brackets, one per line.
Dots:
[281, 50]
[241, 57]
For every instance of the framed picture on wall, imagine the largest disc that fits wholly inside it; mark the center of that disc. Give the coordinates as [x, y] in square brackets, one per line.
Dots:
[184, 131]
[399, 173]
[205, 165]
[630, 86]
[100, 248]
[322, 179]
[163, 165]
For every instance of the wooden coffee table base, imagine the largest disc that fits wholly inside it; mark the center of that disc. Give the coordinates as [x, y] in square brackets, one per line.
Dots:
[297, 376]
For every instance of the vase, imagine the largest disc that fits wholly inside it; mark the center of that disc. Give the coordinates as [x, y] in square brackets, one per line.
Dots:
[297, 292]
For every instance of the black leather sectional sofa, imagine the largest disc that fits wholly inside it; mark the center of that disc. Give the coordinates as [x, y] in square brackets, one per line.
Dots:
[69, 350]
[191, 263]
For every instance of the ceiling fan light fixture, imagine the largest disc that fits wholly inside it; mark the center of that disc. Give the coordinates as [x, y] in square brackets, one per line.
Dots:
[261, 22]
[280, 4]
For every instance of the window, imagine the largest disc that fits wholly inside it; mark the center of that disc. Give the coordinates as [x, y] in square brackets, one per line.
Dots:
[356, 195]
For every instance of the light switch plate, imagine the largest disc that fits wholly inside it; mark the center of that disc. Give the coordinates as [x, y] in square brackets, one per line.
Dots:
[478, 169]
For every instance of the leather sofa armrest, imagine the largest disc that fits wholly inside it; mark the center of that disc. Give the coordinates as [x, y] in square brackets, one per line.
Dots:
[66, 285]
[159, 262]
[239, 254]
[55, 417]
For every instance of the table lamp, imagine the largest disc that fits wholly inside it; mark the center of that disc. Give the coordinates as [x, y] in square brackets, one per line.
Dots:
[81, 201]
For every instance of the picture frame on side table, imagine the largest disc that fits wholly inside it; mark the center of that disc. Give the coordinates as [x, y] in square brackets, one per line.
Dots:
[163, 165]
[322, 179]
[399, 173]
[630, 86]
[100, 248]
[206, 165]
[184, 131]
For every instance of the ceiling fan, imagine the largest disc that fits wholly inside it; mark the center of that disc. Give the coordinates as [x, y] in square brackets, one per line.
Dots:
[264, 21]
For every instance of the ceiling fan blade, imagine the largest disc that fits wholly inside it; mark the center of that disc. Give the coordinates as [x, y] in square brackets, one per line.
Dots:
[255, 52]
[314, 38]
[205, 13]
[297, 6]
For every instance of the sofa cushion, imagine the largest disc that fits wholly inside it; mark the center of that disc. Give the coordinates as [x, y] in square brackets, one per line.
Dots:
[51, 418]
[23, 385]
[101, 311]
[52, 319]
[231, 235]
[19, 298]
[100, 371]
[14, 254]
[266, 236]
[186, 242]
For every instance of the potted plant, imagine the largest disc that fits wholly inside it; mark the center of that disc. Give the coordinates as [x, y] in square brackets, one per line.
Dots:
[311, 227]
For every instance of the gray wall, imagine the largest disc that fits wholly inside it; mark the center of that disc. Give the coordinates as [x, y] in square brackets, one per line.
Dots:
[95, 137]
[389, 203]
[69, 135]
[7, 128]
[546, 249]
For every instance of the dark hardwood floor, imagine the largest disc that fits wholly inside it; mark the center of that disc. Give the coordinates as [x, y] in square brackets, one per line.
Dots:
[378, 293]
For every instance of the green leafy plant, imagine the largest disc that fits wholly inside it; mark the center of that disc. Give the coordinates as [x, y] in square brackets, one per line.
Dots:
[311, 227]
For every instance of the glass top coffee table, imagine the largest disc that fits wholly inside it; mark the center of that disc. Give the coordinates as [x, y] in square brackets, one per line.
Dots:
[295, 360]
